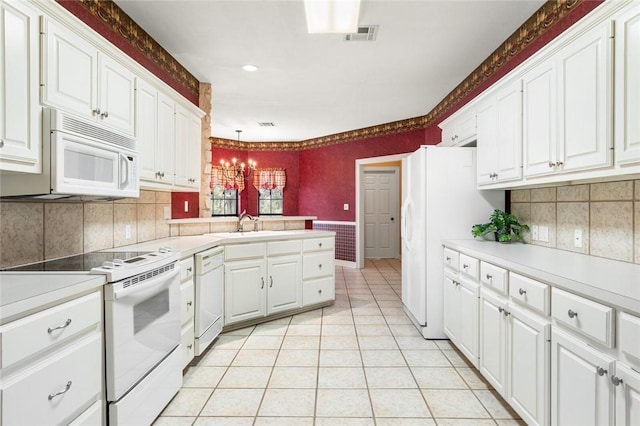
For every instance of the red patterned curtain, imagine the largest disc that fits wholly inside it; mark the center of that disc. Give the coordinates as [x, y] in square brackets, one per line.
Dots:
[270, 179]
[219, 178]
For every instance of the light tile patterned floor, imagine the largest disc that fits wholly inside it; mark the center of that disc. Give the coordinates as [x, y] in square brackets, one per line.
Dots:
[359, 362]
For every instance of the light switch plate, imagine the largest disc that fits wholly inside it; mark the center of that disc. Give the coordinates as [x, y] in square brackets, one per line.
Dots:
[127, 232]
[577, 238]
[544, 233]
[186, 206]
[534, 232]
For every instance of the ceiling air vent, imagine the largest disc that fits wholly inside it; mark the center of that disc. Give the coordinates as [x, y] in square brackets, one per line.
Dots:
[266, 124]
[365, 33]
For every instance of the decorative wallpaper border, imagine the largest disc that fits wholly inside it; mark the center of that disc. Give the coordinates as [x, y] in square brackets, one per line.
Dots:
[538, 24]
[114, 18]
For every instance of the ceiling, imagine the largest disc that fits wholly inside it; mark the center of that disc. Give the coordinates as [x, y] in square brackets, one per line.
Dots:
[313, 85]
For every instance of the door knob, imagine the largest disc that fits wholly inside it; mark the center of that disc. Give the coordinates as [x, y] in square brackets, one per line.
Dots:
[391, 219]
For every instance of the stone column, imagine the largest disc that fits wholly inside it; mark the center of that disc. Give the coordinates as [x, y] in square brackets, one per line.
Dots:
[205, 157]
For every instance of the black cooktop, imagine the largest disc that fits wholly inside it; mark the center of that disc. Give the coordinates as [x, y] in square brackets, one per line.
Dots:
[77, 263]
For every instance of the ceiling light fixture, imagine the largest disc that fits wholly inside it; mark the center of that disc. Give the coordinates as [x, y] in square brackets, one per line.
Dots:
[250, 68]
[332, 16]
[234, 171]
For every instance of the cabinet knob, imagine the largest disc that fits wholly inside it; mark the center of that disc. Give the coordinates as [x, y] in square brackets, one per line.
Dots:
[104, 115]
[189, 269]
[320, 266]
[465, 266]
[522, 292]
[448, 258]
[189, 303]
[500, 309]
[319, 291]
[65, 325]
[616, 380]
[1, 143]
[319, 244]
[601, 371]
[572, 314]
[559, 163]
[190, 345]
[96, 111]
[61, 391]
[489, 276]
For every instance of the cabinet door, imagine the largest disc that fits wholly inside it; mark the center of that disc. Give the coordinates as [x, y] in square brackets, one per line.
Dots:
[285, 284]
[451, 308]
[529, 365]
[580, 396]
[627, 396]
[466, 126]
[627, 86]
[146, 129]
[509, 132]
[539, 118]
[584, 104]
[244, 286]
[493, 339]
[165, 155]
[19, 87]
[487, 141]
[183, 147]
[468, 293]
[195, 151]
[117, 91]
[70, 71]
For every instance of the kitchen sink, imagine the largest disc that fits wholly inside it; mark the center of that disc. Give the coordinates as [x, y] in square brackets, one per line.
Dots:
[245, 234]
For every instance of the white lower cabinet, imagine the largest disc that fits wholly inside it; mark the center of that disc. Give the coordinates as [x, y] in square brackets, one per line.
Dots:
[627, 394]
[285, 279]
[318, 270]
[493, 339]
[187, 295]
[244, 290]
[461, 314]
[581, 389]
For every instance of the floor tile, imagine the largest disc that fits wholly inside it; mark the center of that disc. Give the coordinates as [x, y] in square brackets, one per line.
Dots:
[174, 421]
[293, 378]
[233, 402]
[263, 342]
[369, 319]
[269, 329]
[304, 330]
[341, 378]
[415, 342]
[301, 342]
[455, 358]
[343, 403]
[284, 421]
[404, 330]
[473, 378]
[337, 320]
[398, 403]
[255, 358]
[395, 421]
[438, 378]
[383, 358]
[224, 421]
[340, 358]
[188, 402]
[398, 319]
[426, 358]
[454, 404]
[344, 421]
[339, 342]
[218, 357]
[377, 342]
[298, 358]
[246, 377]
[389, 378]
[241, 331]
[228, 341]
[288, 403]
[202, 377]
[465, 422]
[307, 318]
[496, 406]
[373, 330]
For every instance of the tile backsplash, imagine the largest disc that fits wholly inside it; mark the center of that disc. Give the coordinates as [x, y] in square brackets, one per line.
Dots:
[607, 214]
[32, 231]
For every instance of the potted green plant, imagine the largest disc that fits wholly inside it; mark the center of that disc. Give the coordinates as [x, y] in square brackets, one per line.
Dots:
[503, 225]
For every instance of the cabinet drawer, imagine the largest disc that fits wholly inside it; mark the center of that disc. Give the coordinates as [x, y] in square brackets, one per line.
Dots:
[628, 337]
[75, 374]
[37, 332]
[317, 265]
[469, 265]
[186, 345]
[244, 251]
[318, 291]
[314, 244]
[187, 302]
[277, 248]
[494, 277]
[91, 416]
[531, 293]
[186, 269]
[450, 258]
[586, 316]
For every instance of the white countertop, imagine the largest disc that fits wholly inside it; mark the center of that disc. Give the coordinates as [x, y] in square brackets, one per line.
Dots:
[612, 282]
[235, 219]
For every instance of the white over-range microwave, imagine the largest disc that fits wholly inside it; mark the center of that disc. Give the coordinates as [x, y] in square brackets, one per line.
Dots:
[81, 159]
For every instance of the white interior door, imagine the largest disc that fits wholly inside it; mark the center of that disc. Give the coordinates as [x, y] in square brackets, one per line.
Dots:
[381, 218]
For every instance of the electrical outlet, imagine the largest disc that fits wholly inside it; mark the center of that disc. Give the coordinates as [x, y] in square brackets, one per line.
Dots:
[534, 232]
[577, 238]
[186, 206]
[543, 233]
[166, 212]
[345, 207]
[127, 232]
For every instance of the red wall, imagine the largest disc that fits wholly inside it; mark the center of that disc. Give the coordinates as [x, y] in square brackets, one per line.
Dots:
[177, 205]
[327, 174]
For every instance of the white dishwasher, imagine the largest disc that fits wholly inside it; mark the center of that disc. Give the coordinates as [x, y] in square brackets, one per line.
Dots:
[209, 312]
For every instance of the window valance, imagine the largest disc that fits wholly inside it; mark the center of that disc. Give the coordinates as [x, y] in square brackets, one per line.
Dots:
[275, 178]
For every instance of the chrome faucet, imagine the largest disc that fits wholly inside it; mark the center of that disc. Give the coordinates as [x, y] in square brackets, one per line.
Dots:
[242, 217]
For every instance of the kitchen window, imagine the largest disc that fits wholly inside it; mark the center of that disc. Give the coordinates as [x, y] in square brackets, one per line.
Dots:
[224, 202]
[270, 202]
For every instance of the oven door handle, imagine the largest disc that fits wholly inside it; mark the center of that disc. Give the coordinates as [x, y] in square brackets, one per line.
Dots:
[154, 285]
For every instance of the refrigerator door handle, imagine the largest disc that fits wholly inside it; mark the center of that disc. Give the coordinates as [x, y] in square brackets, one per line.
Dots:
[405, 231]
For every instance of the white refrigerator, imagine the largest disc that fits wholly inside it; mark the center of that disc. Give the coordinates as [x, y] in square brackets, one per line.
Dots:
[440, 200]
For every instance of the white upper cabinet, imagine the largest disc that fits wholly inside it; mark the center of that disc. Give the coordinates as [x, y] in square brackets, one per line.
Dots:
[19, 107]
[499, 133]
[627, 86]
[460, 128]
[78, 78]
[147, 129]
[188, 132]
[165, 155]
[567, 107]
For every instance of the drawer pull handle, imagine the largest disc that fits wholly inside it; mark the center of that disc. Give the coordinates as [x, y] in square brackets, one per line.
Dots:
[189, 269]
[500, 309]
[489, 276]
[189, 303]
[190, 345]
[65, 325]
[319, 244]
[465, 266]
[320, 265]
[601, 371]
[572, 314]
[448, 258]
[319, 291]
[271, 281]
[61, 391]
[522, 292]
[262, 279]
[616, 380]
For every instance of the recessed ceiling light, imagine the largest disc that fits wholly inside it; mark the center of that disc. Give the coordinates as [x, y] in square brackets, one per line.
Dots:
[250, 68]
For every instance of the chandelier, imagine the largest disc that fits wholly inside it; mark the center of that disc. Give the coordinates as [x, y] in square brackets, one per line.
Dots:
[237, 171]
